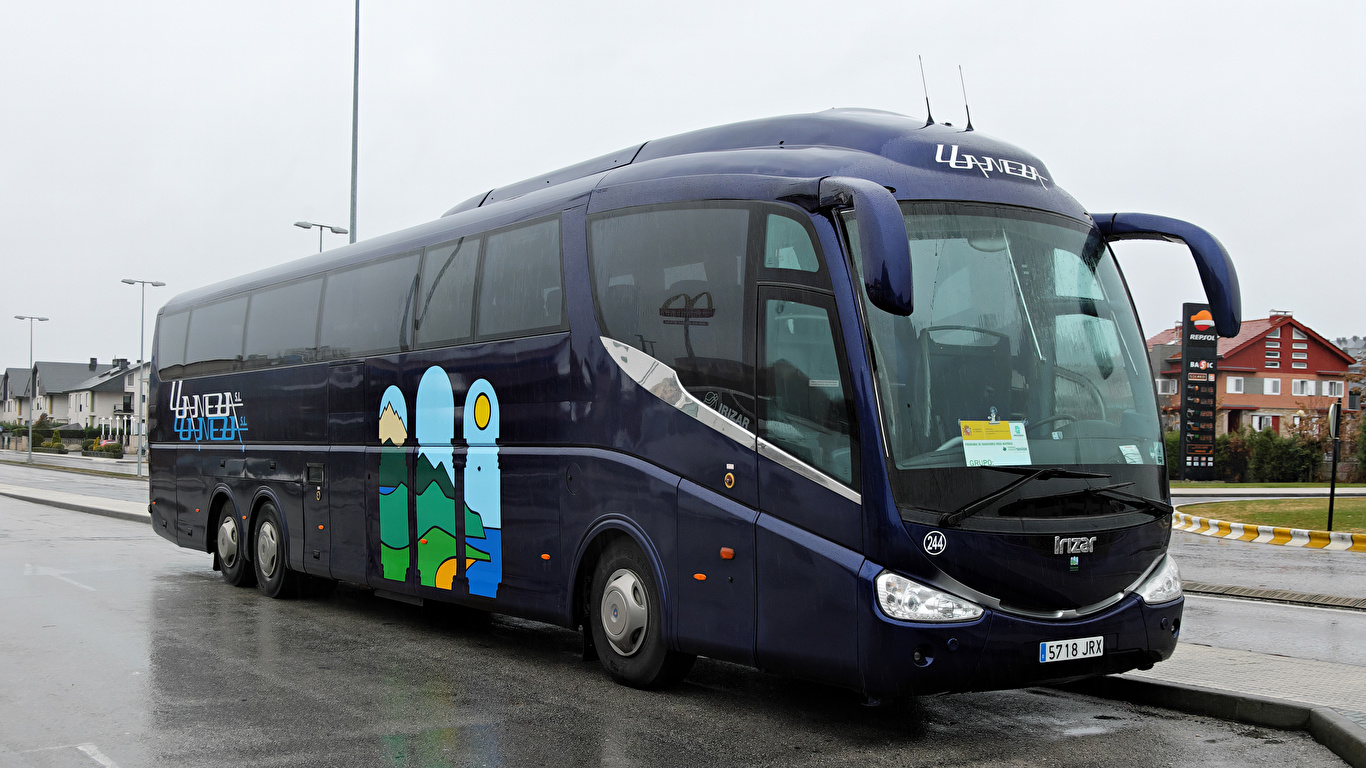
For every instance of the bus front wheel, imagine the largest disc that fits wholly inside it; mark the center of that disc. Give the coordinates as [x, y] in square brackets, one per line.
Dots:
[272, 576]
[231, 551]
[627, 621]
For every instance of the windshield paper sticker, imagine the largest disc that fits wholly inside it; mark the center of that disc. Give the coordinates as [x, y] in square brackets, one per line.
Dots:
[1131, 454]
[988, 444]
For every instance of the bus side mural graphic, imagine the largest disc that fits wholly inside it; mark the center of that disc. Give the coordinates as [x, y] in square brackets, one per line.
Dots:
[438, 545]
[393, 485]
[483, 491]
[442, 552]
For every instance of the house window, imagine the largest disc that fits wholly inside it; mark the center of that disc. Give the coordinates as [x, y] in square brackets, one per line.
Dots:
[1260, 422]
[1273, 345]
[1274, 334]
[1299, 345]
[1272, 355]
[1271, 386]
[1165, 386]
[1235, 385]
[1332, 388]
[1302, 387]
[1300, 355]
[1296, 333]
[1300, 366]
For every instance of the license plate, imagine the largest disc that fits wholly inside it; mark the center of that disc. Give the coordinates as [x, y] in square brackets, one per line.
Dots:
[1066, 650]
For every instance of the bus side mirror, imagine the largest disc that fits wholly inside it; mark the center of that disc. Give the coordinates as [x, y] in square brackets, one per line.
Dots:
[882, 240]
[1212, 261]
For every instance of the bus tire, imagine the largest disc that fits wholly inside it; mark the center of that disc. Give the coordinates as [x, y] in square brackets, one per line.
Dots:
[230, 552]
[273, 577]
[626, 619]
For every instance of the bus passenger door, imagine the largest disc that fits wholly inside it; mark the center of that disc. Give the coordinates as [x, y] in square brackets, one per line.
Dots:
[809, 534]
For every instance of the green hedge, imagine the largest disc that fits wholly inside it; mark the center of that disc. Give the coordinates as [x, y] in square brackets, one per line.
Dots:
[1254, 457]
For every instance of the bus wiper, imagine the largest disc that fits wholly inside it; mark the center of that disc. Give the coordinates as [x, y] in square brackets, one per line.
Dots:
[973, 507]
[1154, 507]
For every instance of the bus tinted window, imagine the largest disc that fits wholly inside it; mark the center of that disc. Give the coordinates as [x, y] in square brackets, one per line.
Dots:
[282, 324]
[671, 283]
[445, 313]
[788, 246]
[171, 340]
[367, 310]
[214, 342]
[520, 289]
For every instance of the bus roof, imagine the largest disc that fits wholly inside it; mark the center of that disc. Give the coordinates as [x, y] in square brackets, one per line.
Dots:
[917, 160]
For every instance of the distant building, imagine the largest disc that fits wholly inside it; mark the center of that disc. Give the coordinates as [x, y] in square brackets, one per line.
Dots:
[1275, 373]
[1356, 347]
[55, 382]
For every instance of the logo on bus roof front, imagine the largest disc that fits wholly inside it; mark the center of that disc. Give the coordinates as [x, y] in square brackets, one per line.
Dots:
[989, 165]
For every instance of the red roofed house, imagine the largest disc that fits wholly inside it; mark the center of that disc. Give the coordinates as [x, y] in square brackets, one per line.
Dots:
[1273, 374]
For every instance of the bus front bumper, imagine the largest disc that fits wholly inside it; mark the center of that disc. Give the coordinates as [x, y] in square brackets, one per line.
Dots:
[1001, 650]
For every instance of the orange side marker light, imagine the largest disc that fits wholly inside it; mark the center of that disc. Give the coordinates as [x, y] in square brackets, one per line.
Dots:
[320, 527]
[545, 557]
[727, 553]
[700, 576]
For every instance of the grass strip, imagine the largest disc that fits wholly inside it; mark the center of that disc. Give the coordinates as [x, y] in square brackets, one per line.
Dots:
[1349, 514]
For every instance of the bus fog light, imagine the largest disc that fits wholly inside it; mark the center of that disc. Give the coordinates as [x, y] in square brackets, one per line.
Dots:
[1163, 586]
[907, 600]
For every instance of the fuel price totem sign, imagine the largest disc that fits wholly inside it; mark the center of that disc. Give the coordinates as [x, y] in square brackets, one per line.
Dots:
[1199, 354]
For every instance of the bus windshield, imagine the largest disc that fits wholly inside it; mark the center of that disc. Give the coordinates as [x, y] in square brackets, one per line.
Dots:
[1022, 348]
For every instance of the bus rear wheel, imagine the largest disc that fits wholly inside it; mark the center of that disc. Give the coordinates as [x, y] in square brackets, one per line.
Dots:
[626, 619]
[231, 551]
[273, 577]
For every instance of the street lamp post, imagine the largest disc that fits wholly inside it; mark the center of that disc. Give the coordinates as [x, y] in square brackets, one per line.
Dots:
[336, 230]
[138, 404]
[32, 378]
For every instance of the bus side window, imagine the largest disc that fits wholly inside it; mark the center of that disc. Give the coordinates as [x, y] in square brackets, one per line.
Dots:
[368, 310]
[670, 282]
[806, 408]
[282, 324]
[214, 340]
[170, 342]
[788, 246]
[445, 313]
[520, 289]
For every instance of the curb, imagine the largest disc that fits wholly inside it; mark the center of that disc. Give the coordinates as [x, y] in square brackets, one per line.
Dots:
[1336, 541]
[1338, 733]
[75, 506]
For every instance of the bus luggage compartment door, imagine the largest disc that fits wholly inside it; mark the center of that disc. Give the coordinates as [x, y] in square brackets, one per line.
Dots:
[317, 521]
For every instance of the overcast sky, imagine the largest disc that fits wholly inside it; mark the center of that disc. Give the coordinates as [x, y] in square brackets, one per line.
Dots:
[179, 141]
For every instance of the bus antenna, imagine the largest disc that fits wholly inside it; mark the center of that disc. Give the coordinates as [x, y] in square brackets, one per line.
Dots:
[929, 117]
[965, 95]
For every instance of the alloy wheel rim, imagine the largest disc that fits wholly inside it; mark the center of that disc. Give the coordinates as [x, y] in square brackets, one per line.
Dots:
[267, 548]
[625, 612]
[227, 543]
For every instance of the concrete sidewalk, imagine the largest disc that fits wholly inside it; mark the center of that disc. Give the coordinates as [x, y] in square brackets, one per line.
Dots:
[1328, 700]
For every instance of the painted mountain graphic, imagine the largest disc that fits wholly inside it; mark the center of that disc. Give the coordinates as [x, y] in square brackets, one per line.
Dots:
[391, 428]
[428, 474]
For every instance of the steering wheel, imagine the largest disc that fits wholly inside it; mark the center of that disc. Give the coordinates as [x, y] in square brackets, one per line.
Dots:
[1049, 420]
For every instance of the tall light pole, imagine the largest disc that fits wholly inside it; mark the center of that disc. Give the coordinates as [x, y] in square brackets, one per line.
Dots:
[355, 123]
[335, 230]
[138, 405]
[32, 378]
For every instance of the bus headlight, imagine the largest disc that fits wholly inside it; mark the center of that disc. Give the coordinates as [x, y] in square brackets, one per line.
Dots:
[1163, 586]
[907, 600]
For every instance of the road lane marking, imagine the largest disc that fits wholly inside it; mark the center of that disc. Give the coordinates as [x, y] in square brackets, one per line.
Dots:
[95, 754]
[42, 570]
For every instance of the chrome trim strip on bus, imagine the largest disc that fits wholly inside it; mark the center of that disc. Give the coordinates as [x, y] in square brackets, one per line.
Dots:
[956, 587]
[663, 383]
[785, 459]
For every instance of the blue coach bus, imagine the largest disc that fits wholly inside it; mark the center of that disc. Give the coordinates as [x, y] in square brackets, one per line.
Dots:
[847, 396]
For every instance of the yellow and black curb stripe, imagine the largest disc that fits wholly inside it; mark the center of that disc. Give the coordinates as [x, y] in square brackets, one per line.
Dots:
[1266, 534]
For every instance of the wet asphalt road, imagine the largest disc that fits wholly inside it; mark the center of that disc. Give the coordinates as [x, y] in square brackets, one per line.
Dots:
[122, 648]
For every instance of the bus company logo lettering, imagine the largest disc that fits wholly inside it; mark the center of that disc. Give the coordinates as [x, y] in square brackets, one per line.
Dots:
[1074, 546]
[989, 165]
[213, 416]
[936, 542]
